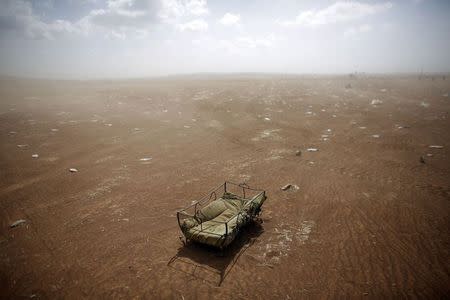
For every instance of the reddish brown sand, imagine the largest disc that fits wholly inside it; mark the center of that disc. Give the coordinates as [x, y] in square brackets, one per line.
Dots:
[369, 218]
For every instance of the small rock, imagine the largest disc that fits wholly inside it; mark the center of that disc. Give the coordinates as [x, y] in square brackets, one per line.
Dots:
[289, 186]
[17, 223]
[422, 160]
[298, 153]
[73, 170]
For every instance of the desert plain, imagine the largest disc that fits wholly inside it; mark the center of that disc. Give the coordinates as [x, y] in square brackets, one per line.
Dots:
[369, 154]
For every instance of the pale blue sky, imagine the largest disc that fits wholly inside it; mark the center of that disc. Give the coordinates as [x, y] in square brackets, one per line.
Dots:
[139, 38]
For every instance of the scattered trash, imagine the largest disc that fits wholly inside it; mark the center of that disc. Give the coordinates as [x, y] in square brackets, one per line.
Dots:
[376, 102]
[445, 95]
[12, 132]
[376, 136]
[436, 146]
[312, 149]
[324, 135]
[145, 159]
[289, 186]
[266, 119]
[109, 124]
[187, 126]
[73, 170]
[22, 146]
[362, 127]
[402, 126]
[429, 154]
[383, 90]
[17, 223]
[55, 130]
[424, 104]
[422, 160]
[311, 162]
[35, 155]
[298, 153]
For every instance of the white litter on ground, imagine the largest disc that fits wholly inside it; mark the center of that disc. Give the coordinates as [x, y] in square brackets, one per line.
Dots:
[17, 223]
[312, 149]
[362, 127]
[22, 145]
[424, 104]
[145, 159]
[266, 119]
[35, 155]
[376, 102]
[376, 136]
[383, 90]
[55, 130]
[73, 170]
[292, 187]
[436, 146]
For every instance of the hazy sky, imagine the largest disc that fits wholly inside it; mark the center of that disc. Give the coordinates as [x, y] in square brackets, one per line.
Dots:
[136, 38]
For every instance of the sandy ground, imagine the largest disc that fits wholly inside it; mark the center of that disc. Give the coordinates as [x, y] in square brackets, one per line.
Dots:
[369, 219]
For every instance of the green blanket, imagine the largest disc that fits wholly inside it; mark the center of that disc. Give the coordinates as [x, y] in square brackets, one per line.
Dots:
[218, 223]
